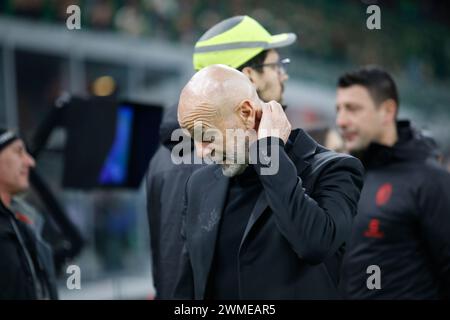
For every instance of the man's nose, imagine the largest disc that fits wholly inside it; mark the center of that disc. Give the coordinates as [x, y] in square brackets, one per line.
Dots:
[30, 160]
[341, 119]
[283, 75]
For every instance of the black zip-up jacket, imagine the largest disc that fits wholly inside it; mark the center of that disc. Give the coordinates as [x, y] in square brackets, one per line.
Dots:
[403, 223]
[26, 261]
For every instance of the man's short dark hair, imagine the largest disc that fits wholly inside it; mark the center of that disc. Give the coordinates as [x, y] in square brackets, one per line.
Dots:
[377, 81]
[257, 60]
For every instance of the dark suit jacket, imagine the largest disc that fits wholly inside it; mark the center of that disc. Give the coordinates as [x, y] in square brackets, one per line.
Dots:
[294, 241]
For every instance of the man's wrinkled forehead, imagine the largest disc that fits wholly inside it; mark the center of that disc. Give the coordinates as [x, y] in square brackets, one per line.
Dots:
[203, 114]
[202, 131]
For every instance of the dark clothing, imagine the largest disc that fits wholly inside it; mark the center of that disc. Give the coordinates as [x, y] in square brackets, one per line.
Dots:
[165, 190]
[293, 241]
[403, 223]
[26, 263]
[242, 195]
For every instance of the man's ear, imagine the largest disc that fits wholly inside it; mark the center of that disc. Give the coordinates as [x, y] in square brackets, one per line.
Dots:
[390, 110]
[247, 112]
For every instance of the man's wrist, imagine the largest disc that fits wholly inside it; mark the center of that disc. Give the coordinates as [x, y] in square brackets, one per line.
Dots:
[274, 133]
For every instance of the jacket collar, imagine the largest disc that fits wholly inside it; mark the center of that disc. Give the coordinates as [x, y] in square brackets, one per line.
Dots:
[411, 146]
[211, 209]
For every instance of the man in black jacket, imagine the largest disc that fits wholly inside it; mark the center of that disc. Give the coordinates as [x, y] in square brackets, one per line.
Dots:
[262, 64]
[252, 232]
[400, 245]
[26, 263]
[165, 181]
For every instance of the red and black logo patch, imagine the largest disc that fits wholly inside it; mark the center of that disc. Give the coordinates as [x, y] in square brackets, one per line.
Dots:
[374, 230]
[383, 194]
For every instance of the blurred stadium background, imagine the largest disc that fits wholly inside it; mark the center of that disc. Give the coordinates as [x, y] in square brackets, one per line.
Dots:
[145, 47]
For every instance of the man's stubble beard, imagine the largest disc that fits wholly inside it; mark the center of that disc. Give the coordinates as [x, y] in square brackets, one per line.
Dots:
[230, 167]
[232, 170]
[233, 167]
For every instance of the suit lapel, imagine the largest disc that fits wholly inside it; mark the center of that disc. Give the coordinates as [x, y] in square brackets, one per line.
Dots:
[260, 206]
[209, 220]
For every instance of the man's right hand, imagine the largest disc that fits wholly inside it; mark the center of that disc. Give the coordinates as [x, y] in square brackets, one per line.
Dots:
[274, 122]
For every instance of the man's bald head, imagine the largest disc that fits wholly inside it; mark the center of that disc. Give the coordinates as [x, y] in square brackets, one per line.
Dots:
[216, 102]
[213, 94]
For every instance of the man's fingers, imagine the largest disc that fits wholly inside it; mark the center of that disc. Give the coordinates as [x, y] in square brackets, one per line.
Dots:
[276, 107]
[266, 108]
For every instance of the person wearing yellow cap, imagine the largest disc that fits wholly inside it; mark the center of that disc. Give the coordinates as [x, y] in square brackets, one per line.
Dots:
[242, 43]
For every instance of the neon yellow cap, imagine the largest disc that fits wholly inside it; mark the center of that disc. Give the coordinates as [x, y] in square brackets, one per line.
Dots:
[235, 41]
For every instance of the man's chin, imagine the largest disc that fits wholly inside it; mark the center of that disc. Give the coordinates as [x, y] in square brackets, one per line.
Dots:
[20, 189]
[353, 145]
[356, 150]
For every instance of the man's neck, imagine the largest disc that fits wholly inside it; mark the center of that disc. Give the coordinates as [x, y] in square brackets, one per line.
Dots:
[389, 137]
[6, 198]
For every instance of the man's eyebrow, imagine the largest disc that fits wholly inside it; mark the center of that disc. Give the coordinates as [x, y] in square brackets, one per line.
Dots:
[351, 104]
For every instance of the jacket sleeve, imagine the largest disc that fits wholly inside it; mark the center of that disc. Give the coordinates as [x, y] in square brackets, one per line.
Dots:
[315, 225]
[434, 207]
[184, 288]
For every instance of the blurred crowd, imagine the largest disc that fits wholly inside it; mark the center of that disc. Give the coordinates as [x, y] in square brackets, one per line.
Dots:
[420, 48]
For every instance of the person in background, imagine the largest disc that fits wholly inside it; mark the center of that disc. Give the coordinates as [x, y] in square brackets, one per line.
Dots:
[403, 221]
[26, 264]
